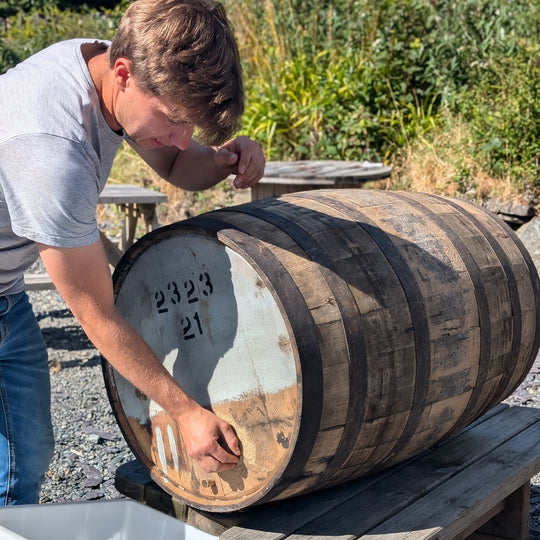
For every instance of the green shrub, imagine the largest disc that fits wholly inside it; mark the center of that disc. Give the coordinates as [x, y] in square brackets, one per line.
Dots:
[11, 7]
[359, 80]
[328, 107]
[26, 33]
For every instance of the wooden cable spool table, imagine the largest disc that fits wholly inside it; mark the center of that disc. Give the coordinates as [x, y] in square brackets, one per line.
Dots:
[291, 176]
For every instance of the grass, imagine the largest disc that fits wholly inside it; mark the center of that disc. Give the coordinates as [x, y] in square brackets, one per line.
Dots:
[441, 162]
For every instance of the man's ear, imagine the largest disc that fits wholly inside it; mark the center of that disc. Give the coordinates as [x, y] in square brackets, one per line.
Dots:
[122, 72]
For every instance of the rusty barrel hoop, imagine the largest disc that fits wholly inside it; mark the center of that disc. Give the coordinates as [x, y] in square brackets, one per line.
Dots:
[338, 331]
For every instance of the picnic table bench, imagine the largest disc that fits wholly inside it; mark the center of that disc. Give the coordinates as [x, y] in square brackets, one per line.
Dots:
[134, 202]
[474, 485]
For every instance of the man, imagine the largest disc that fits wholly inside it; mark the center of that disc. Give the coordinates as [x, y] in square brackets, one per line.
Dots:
[173, 67]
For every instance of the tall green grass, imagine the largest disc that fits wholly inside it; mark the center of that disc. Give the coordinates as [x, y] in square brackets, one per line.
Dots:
[357, 79]
[27, 32]
[368, 80]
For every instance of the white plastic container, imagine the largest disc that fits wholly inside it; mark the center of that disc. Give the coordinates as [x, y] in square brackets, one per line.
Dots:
[120, 519]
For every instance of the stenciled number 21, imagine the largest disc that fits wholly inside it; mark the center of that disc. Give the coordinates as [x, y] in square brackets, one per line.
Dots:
[187, 293]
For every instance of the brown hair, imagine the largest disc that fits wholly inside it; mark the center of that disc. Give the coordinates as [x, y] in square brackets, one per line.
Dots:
[184, 51]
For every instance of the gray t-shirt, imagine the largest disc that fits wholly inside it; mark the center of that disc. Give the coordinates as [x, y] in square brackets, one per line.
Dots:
[56, 152]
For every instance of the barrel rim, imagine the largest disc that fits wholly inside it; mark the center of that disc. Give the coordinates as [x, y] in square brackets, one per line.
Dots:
[237, 240]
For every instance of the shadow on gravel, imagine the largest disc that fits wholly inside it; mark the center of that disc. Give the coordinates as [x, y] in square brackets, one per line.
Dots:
[70, 338]
[54, 314]
[94, 361]
[67, 343]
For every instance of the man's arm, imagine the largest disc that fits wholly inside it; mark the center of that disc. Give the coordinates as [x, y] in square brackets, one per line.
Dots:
[201, 167]
[83, 278]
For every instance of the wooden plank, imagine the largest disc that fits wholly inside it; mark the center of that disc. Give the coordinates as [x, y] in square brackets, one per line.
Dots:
[481, 536]
[38, 282]
[298, 181]
[347, 512]
[131, 480]
[510, 517]
[513, 521]
[473, 527]
[130, 194]
[329, 169]
[446, 511]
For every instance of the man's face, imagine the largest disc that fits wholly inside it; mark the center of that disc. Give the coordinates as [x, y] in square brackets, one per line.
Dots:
[147, 120]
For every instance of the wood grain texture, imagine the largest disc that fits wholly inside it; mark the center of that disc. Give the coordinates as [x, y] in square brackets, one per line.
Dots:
[399, 319]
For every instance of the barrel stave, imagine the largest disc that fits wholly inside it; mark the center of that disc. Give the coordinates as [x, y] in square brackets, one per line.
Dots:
[406, 317]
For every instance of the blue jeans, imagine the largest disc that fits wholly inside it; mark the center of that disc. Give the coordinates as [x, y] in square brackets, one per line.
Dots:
[26, 436]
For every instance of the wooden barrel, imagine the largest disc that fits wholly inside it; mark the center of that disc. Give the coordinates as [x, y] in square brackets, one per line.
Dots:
[338, 331]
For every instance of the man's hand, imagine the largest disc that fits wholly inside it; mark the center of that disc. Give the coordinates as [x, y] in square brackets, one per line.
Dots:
[243, 157]
[202, 167]
[209, 440]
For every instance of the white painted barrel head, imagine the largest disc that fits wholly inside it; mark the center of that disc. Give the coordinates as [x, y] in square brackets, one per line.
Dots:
[219, 329]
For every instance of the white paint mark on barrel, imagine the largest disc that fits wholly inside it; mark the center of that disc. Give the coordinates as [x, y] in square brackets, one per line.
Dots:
[161, 450]
[172, 446]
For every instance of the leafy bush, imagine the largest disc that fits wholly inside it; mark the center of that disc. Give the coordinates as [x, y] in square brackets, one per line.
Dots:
[11, 7]
[355, 79]
[358, 79]
[503, 110]
[27, 33]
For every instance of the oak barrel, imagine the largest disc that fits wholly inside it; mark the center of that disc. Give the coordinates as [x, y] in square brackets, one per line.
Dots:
[338, 331]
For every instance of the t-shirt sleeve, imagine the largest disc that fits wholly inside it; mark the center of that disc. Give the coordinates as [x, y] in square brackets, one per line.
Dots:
[51, 188]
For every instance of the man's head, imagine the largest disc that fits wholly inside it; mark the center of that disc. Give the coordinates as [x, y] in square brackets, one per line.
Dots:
[184, 52]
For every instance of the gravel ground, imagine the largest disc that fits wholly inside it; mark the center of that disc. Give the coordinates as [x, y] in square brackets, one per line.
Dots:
[89, 445]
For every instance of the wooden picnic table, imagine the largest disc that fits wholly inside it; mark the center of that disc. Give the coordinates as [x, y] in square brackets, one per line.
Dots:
[474, 485]
[135, 203]
[289, 176]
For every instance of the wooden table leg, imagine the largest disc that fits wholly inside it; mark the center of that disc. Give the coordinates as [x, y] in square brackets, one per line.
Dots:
[512, 522]
[131, 215]
[114, 254]
[149, 214]
[132, 212]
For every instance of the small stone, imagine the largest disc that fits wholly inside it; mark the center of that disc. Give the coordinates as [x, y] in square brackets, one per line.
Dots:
[529, 234]
[54, 366]
[520, 209]
[93, 476]
[93, 495]
[95, 438]
[105, 435]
